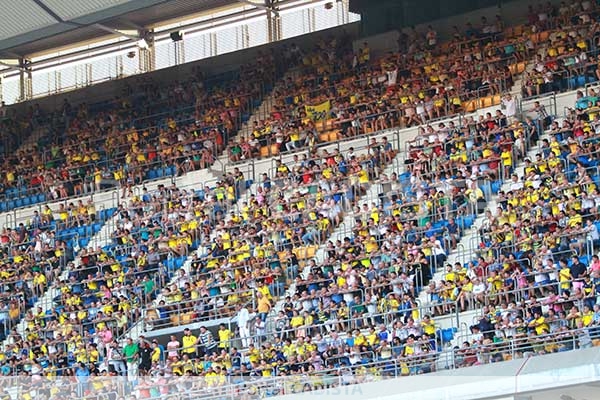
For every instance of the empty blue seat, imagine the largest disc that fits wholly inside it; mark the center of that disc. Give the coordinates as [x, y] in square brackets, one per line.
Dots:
[170, 264]
[469, 220]
[3, 207]
[19, 203]
[41, 198]
[152, 174]
[496, 185]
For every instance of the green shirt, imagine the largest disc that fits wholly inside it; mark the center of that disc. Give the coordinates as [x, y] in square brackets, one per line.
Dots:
[130, 351]
[148, 286]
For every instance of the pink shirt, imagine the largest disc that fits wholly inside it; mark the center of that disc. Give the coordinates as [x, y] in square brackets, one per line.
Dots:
[106, 336]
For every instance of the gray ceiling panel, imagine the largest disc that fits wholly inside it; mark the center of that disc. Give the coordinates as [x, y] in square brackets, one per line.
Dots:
[30, 26]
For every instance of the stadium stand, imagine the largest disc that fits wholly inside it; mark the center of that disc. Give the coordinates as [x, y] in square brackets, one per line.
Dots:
[295, 291]
[148, 133]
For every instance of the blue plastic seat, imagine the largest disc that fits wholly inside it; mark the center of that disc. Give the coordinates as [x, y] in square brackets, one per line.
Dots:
[170, 264]
[152, 174]
[19, 203]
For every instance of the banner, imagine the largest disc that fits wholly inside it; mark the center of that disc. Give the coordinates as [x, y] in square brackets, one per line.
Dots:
[318, 112]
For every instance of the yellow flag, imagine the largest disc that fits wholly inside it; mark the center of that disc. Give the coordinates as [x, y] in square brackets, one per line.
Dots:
[318, 112]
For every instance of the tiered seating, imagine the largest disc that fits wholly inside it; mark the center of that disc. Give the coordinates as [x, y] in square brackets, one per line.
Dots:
[406, 89]
[567, 61]
[535, 269]
[37, 252]
[249, 253]
[262, 246]
[134, 138]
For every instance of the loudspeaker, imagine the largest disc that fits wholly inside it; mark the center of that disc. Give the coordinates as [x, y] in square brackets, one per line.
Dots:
[176, 36]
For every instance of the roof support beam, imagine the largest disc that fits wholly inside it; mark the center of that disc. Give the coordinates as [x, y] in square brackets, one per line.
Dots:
[262, 6]
[119, 32]
[12, 64]
[48, 10]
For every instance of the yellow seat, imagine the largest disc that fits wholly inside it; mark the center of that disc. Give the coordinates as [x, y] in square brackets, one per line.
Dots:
[151, 315]
[324, 137]
[334, 135]
[311, 251]
[306, 252]
[470, 106]
[274, 150]
[496, 100]
[299, 252]
[264, 151]
[486, 102]
[513, 69]
[520, 67]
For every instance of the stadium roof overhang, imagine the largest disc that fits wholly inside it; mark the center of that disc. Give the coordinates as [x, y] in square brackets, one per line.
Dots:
[35, 26]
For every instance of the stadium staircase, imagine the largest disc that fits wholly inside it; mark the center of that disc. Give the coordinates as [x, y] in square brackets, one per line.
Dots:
[466, 248]
[347, 225]
[262, 112]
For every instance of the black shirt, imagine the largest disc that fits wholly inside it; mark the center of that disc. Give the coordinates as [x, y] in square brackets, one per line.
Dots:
[578, 270]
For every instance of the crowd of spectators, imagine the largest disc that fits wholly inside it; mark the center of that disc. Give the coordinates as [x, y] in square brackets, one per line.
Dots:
[355, 316]
[568, 41]
[148, 132]
[426, 80]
